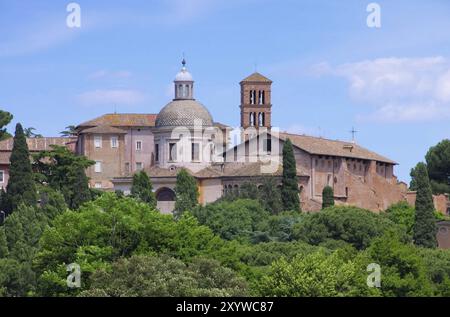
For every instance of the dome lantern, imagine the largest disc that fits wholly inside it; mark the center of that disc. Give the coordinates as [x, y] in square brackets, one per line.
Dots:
[184, 84]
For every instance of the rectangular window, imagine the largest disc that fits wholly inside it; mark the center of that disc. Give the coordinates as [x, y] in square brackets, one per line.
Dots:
[156, 152]
[98, 141]
[195, 154]
[172, 151]
[139, 166]
[127, 167]
[98, 185]
[114, 142]
[267, 145]
[138, 145]
[2, 176]
[98, 166]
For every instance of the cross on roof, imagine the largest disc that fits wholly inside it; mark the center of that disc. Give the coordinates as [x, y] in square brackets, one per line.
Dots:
[353, 132]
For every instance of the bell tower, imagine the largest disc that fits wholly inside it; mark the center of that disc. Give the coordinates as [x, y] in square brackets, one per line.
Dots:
[256, 105]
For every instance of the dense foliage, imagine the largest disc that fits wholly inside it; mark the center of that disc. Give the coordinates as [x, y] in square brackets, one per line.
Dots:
[242, 245]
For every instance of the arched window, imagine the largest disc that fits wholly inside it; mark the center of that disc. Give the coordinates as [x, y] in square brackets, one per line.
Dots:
[251, 119]
[252, 97]
[187, 91]
[165, 194]
[260, 119]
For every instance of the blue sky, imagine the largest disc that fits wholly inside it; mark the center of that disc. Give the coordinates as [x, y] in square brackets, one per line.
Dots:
[330, 71]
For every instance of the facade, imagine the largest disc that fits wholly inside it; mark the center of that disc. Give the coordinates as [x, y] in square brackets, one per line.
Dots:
[35, 145]
[184, 135]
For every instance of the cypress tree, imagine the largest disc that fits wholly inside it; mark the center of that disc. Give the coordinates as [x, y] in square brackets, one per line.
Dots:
[79, 188]
[186, 192]
[327, 197]
[21, 187]
[289, 188]
[3, 244]
[425, 223]
[142, 188]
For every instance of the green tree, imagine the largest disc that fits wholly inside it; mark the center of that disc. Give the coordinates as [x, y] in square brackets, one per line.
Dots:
[165, 276]
[70, 130]
[350, 224]
[425, 223]
[327, 197]
[21, 187]
[5, 119]
[29, 133]
[248, 190]
[104, 230]
[238, 219]
[142, 188]
[403, 215]
[403, 270]
[78, 180]
[16, 278]
[438, 166]
[289, 183]
[315, 274]
[186, 192]
[3, 244]
[64, 171]
[270, 195]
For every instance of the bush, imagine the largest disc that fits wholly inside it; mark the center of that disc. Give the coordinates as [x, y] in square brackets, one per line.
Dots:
[239, 219]
[165, 276]
[349, 224]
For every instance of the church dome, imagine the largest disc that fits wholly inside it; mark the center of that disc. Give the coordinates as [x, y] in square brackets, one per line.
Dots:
[183, 113]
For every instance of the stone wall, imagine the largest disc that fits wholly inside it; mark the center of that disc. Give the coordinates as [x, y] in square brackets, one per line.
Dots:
[441, 202]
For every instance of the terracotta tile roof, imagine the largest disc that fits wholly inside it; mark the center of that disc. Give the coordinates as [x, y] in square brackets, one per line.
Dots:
[122, 120]
[256, 77]
[37, 144]
[104, 130]
[320, 146]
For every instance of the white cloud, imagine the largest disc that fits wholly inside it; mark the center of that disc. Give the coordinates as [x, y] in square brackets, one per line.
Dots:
[119, 97]
[400, 89]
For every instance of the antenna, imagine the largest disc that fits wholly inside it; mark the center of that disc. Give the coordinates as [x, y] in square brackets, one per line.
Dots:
[353, 132]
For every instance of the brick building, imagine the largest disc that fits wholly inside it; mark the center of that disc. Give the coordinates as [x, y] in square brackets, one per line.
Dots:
[184, 135]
